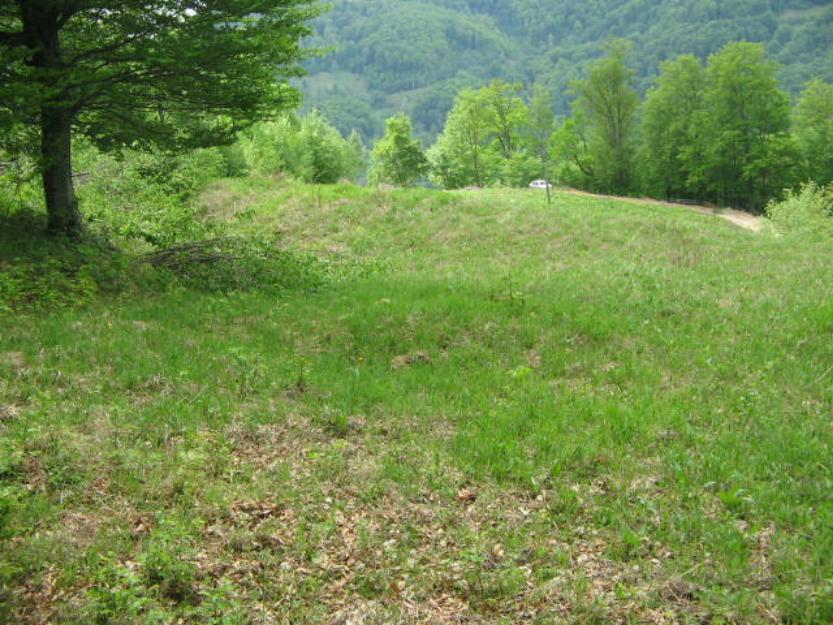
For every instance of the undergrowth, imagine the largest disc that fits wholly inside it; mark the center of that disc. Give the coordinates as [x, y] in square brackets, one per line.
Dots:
[139, 208]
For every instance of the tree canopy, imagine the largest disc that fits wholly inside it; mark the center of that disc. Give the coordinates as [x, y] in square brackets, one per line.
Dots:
[398, 157]
[417, 54]
[607, 103]
[143, 74]
[814, 130]
[742, 152]
[667, 118]
[723, 132]
[464, 154]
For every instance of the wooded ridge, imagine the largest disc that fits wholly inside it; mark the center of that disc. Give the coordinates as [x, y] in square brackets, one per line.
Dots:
[415, 55]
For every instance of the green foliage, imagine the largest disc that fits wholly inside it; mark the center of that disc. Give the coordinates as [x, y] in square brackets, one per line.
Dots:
[397, 157]
[465, 154]
[11, 459]
[813, 128]
[540, 129]
[11, 497]
[407, 54]
[166, 561]
[508, 115]
[11, 492]
[430, 105]
[118, 595]
[402, 46]
[806, 211]
[509, 123]
[666, 128]
[742, 153]
[570, 149]
[355, 157]
[146, 204]
[17, 190]
[606, 103]
[151, 75]
[155, 73]
[273, 147]
[231, 264]
[329, 157]
[38, 272]
[162, 584]
[488, 139]
[349, 113]
[145, 196]
[307, 148]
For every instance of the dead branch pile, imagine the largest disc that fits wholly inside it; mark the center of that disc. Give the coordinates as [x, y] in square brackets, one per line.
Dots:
[237, 263]
[192, 253]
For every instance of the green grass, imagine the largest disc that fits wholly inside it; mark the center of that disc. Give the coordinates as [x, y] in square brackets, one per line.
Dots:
[596, 413]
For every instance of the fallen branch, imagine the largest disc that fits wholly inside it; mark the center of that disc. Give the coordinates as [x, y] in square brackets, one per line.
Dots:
[193, 253]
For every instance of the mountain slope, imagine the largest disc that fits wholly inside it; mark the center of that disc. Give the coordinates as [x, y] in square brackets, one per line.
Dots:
[414, 55]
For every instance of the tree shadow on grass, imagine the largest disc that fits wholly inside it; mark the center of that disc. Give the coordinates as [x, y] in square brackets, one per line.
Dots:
[39, 270]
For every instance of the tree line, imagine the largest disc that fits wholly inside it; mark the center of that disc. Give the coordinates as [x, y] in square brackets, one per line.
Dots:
[158, 75]
[724, 132]
[415, 55]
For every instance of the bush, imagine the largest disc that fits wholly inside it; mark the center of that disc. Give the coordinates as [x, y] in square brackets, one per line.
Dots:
[145, 196]
[307, 148]
[19, 184]
[41, 273]
[807, 211]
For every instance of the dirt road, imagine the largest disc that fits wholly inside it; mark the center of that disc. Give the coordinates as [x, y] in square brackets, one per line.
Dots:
[748, 221]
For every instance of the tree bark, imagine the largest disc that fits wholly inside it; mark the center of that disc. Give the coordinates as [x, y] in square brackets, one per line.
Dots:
[42, 23]
[56, 163]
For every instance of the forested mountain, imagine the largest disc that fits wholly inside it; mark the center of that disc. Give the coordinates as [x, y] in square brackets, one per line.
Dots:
[415, 55]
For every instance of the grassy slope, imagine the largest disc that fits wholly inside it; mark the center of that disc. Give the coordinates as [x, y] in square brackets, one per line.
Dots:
[599, 413]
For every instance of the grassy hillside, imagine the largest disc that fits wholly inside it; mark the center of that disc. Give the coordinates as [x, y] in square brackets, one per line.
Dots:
[488, 412]
[414, 55]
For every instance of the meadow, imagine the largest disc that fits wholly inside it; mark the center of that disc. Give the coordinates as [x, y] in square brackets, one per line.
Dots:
[481, 410]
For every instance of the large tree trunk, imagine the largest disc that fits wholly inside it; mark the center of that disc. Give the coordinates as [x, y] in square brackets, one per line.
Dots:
[56, 164]
[42, 23]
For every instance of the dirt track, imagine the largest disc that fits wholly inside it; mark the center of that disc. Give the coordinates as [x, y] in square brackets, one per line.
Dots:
[741, 219]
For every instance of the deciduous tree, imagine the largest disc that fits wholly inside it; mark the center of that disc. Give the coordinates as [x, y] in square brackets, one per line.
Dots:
[398, 157]
[540, 129]
[667, 116]
[463, 154]
[508, 114]
[607, 102]
[813, 128]
[744, 152]
[141, 73]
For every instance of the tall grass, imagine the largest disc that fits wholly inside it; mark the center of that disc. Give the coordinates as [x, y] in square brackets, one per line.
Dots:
[602, 412]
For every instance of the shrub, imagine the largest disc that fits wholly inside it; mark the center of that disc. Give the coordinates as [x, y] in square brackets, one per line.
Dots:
[808, 211]
[39, 272]
[307, 148]
[145, 197]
